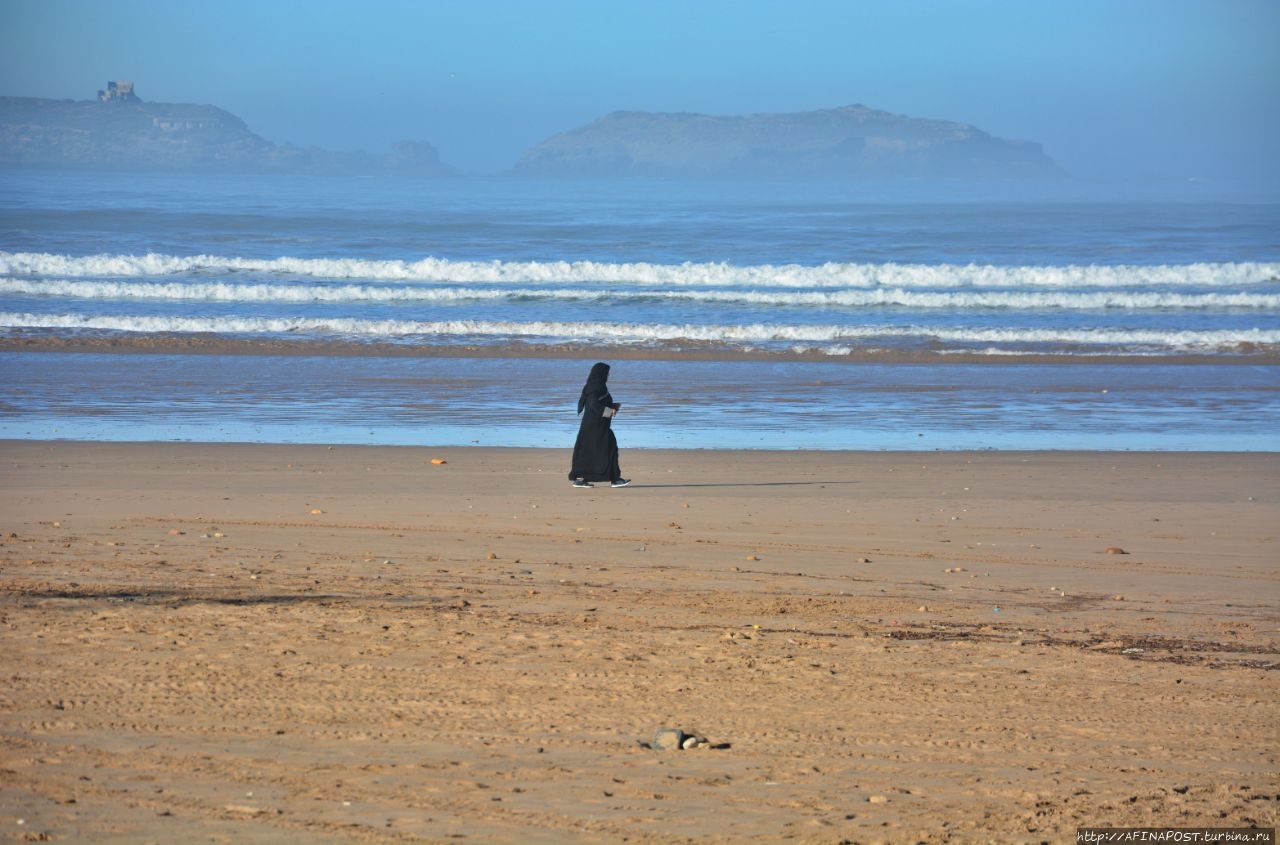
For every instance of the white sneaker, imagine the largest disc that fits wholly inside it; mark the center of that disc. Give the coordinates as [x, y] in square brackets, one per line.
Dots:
[580, 482]
[621, 482]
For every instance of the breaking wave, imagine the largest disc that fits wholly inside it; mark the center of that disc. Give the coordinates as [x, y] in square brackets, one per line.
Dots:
[715, 274]
[1107, 340]
[878, 297]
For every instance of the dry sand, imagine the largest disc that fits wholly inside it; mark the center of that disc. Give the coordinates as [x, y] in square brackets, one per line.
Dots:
[252, 644]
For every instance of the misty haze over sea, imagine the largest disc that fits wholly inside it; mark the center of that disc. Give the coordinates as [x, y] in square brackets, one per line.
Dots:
[874, 153]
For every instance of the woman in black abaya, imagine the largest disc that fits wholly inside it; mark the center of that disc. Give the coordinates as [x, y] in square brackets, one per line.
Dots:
[595, 454]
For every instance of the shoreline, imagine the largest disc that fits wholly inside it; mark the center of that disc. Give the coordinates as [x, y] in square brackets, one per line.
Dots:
[529, 401]
[356, 644]
[200, 344]
[651, 451]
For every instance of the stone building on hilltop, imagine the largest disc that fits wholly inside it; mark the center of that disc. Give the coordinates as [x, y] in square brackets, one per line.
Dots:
[118, 92]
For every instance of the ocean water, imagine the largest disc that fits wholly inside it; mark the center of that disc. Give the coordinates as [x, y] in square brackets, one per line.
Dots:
[775, 316]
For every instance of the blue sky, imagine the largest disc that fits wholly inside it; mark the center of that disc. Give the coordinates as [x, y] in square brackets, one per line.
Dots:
[1174, 89]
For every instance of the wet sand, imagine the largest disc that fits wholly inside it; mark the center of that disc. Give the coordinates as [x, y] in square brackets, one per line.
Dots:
[149, 343]
[277, 644]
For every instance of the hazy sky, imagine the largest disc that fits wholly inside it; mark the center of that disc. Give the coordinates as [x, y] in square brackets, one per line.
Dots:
[1167, 88]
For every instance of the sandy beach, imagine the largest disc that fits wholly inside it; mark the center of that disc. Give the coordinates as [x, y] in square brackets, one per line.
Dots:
[276, 644]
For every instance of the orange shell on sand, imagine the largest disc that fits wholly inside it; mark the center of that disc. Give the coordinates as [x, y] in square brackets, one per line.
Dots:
[439, 461]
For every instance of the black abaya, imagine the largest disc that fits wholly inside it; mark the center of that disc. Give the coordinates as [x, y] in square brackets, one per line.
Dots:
[595, 454]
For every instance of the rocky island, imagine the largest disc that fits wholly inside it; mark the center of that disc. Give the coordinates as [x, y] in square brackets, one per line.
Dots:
[853, 142]
[120, 131]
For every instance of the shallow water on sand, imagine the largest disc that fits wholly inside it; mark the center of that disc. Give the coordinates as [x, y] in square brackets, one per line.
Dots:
[666, 404]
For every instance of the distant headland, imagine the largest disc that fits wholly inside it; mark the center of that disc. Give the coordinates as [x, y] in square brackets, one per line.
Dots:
[849, 143]
[120, 131]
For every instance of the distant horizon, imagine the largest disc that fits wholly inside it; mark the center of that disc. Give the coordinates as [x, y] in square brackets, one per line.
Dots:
[1233, 188]
[1132, 90]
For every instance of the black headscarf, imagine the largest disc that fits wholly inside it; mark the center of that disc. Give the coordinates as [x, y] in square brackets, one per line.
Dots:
[595, 384]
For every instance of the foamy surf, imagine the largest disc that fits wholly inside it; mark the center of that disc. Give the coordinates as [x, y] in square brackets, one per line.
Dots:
[359, 304]
[833, 339]
[824, 275]
[230, 292]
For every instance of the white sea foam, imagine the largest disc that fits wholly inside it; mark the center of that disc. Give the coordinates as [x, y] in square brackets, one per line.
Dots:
[608, 332]
[829, 275]
[860, 298]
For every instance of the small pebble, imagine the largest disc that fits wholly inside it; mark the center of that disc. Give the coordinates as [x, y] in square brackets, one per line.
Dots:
[668, 739]
[1116, 550]
[877, 799]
